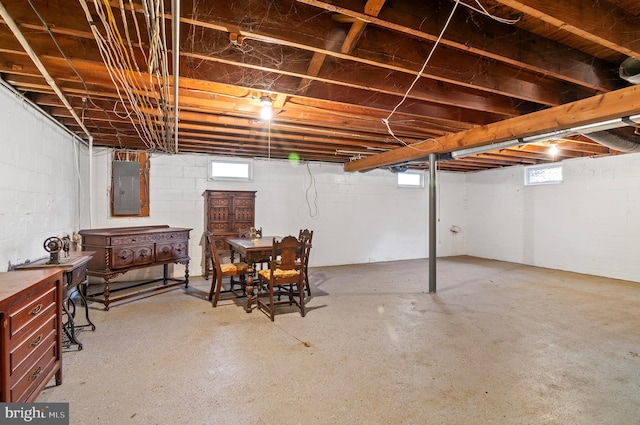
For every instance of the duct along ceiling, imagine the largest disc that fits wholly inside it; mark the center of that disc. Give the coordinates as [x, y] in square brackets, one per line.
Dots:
[370, 84]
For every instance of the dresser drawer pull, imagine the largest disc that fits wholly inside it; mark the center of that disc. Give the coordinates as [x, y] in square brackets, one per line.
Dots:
[35, 374]
[36, 341]
[36, 310]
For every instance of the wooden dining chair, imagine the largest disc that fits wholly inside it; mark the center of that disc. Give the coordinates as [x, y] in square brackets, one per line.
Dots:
[302, 255]
[284, 276]
[305, 237]
[220, 271]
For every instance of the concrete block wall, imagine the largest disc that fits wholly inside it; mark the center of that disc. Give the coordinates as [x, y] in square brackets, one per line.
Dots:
[42, 169]
[356, 217]
[589, 223]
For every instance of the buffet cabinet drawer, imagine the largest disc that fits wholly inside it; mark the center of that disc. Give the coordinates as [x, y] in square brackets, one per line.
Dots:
[169, 251]
[133, 256]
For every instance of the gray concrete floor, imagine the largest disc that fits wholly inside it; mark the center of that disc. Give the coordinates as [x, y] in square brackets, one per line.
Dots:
[500, 343]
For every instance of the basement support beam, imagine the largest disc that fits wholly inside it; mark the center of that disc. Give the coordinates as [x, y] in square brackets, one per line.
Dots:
[175, 25]
[612, 105]
[432, 223]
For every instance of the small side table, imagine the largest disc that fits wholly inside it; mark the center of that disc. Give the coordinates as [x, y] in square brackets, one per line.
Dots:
[74, 275]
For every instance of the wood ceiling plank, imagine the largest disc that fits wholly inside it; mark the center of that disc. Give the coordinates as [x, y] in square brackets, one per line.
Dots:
[229, 74]
[600, 21]
[319, 33]
[486, 38]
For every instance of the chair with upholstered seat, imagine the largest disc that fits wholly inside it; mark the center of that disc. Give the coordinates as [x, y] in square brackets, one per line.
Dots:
[285, 273]
[220, 271]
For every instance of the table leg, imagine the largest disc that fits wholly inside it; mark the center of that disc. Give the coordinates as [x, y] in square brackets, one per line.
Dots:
[107, 292]
[249, 287]
[82, 291]
[69, 328]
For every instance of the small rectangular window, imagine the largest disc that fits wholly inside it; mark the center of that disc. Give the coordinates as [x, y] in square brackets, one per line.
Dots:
[411, 179]
[230, 170]
[543, 174]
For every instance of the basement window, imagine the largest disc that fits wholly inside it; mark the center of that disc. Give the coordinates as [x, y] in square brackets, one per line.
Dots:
[413, 179]
[227, 169]
[543, 174]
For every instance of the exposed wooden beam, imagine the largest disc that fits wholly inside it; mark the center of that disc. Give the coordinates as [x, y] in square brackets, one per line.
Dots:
[585, 19]
[615, 104]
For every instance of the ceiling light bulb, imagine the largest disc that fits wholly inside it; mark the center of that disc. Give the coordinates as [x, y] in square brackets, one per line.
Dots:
[553, 150]
[266, 113]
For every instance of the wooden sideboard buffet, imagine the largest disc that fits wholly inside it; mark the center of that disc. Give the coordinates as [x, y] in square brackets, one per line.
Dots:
[226, 213]
[31, 316]
[120, 249]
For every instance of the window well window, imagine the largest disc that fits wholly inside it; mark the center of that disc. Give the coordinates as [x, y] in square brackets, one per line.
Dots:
[543, 174]
[411, 179]
[226, 169]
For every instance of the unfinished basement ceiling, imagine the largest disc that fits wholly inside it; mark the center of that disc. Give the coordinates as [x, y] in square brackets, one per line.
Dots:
[342, 76]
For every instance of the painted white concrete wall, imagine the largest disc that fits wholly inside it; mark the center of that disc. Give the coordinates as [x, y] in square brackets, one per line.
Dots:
[41, 170]
[356, 217]
[589, 224]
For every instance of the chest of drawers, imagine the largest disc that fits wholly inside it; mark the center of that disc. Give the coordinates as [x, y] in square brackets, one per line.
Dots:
[30, 331]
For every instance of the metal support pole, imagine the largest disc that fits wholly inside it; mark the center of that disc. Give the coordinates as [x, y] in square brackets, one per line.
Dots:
[175, 46]
[432, 223]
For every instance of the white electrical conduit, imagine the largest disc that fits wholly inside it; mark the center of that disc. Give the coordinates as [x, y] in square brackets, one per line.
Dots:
[25, 45]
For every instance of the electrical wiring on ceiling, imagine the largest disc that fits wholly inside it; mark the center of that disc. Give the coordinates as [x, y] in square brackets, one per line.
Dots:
[385, 121]
[481, 9]
[47, 28]
[143, 88]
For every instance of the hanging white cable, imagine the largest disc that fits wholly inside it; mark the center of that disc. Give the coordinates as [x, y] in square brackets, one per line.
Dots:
[113, 70]
[484, 11]
[385, 121]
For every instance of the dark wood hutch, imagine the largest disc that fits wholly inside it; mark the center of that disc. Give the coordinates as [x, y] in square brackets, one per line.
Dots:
[226, 213]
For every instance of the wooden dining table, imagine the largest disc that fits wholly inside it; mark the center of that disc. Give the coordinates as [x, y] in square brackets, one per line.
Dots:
[252, 250]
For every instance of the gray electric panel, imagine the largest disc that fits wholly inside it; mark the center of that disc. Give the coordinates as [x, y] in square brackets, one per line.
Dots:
[126, 188]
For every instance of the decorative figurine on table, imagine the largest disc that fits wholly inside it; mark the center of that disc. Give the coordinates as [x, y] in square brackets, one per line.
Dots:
[66, 244]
